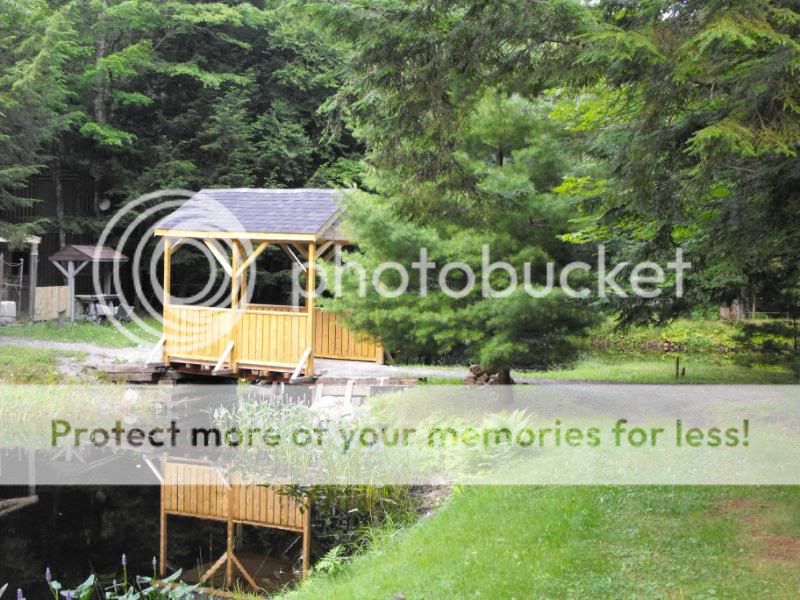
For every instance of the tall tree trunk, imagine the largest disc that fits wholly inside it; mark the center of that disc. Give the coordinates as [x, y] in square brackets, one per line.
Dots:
[59, 193]
[100, 95]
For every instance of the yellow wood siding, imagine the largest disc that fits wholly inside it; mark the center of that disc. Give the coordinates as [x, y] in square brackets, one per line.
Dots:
[334, 340]
[265, 336]
[199, 491]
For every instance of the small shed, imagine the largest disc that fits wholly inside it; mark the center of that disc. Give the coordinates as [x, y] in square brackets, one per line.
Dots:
[259, 340]
[33, 241]
[70, 260]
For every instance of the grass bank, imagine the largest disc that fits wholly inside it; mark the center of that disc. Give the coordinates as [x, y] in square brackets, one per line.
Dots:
[31, 365]
[660, 368]
[506, 542]
[89, 333]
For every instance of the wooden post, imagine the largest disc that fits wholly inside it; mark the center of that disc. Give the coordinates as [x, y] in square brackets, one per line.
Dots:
[307, 537]
[71, 284]
[311, 286]
[243, 281]
[167, 293]
[162, 548]
[235, 261]
[33, 268]
[167, 271]
[2, 273]
[229, 541]
[379, 354]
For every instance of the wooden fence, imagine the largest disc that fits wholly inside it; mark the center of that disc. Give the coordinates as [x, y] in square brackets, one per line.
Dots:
[50, 301]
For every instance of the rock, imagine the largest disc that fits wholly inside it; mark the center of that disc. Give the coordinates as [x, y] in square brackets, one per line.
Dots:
[476, 370]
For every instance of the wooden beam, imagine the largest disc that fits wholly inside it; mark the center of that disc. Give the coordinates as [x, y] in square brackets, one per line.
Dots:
[177, 243]
[244, 572]
[9, 505]
[323, 248]
[300, 250]
[151, 358]
[303, 360]
[291, 253]
[214, 568]
[154, 469]
[275, 236]
[212, 245]
[225, 354]
[256, 253]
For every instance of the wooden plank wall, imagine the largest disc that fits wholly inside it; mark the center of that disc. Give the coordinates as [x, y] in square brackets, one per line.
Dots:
[270, 338]
[50, 300]
[197, 332]
[334, 340]
[263, 336]
[199, 491]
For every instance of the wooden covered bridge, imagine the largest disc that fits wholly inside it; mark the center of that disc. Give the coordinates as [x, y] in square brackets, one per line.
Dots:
[256, 340]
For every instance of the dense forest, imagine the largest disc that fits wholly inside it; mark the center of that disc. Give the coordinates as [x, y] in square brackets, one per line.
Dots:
[539, 128]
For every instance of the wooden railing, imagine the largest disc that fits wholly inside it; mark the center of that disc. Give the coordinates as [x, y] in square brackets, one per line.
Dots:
[194, 490]
[263, 335]
[261, 338]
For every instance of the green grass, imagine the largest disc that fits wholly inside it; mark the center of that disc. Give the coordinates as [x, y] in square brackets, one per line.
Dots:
[85, 332]
[648, 368]
[30, 365]
[586, 542]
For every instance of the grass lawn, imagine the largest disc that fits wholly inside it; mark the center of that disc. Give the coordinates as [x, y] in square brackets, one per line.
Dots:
[82, 331]
[586, 542]
[649, 368]
[29, 365]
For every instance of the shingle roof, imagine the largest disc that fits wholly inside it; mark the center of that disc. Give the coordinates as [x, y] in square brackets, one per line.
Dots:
[294, 211]
[88, 252]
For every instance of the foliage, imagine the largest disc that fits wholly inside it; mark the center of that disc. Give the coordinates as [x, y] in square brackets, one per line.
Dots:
[689, 114]
[514, 156]
[146, 95]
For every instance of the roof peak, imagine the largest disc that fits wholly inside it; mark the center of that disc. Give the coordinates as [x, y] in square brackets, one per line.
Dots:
[269, 190]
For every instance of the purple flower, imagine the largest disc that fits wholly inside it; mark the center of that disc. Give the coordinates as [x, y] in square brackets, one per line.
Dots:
[48, 577]
[19, 594]
[69, 595]
[124, 561]
[155, 562]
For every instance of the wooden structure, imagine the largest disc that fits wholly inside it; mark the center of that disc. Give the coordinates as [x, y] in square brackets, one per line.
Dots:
[33, 267]
[200, 490]
[70, 260]
[258, 340]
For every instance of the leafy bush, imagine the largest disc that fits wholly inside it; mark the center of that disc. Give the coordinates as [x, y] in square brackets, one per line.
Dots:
[140, 588]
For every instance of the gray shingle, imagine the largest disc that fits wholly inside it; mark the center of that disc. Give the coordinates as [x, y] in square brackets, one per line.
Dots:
[295, 211]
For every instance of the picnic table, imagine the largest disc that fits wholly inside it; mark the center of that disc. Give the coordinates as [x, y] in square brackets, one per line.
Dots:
[98, 307]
